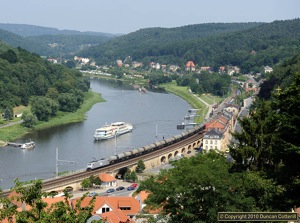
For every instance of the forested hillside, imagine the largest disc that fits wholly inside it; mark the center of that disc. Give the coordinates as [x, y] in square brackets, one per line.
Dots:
[50, 42]
[24, 75]
[32, 30]
[156, 43]
[19, 41]
[255, 46]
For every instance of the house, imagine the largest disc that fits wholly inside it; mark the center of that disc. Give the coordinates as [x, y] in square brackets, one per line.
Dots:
[136, 64]
[155, 65]
[268, 69]
[232, 108]
[250, 85]
[141, 197]
[212, 140]
[233, 70]
[107, 180]
[216, 124]
[190, 66]
[121, 207]
[174, 68]
[222, 69]
[117, 216]
[119, 63]
[52, 60]
[205, 68]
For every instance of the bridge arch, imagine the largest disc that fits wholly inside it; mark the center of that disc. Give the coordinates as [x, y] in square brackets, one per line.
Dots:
[163, 159]
[170, 156]
[69, 188]
[183, 151]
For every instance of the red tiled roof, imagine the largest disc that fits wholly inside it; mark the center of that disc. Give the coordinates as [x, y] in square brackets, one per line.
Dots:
[116, 216]
[190, 64]
[143, 195]
[104, 177]
[113, 202]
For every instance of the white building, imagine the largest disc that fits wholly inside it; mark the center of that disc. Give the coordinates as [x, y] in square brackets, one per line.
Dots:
[212, 140]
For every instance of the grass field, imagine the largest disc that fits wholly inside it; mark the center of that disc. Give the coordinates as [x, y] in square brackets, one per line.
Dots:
[184, 93]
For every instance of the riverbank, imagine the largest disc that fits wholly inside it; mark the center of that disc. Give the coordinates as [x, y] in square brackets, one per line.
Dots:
[15, 129]
[185, 94]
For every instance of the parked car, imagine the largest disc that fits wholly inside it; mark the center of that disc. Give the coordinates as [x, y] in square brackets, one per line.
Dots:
[92, 194]
[111, 190]
[120, 188]
[134, 185]
[130, 188]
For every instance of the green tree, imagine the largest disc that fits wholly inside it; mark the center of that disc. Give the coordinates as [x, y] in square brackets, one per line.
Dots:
[43, 107]
[10, 56]
[196, 189]
[287, 150]
[140, 166]
[95, 180]
[86, 183]
[259, 135]
[39, 212]
[29, 120]
[8, 113]
[133, 176]
[68, 102]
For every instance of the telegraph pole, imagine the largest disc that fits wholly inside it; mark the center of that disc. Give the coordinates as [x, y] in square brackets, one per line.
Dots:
[58, 161]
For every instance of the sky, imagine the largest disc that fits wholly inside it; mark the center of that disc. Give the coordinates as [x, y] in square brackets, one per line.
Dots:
[125, 16]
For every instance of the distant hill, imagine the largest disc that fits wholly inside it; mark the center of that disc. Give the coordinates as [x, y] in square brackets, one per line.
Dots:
[32, 30]
[247, 45]
[19, 41]
[156, 42]
[49, 41]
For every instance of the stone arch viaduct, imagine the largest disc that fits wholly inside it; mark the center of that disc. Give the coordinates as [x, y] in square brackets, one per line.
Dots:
[165, 155]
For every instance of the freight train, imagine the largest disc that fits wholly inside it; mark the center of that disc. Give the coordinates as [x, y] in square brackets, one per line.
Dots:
[143, 150]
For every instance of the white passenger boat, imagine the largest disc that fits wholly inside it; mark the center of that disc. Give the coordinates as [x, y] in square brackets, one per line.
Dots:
[28, 145]
[112, 130]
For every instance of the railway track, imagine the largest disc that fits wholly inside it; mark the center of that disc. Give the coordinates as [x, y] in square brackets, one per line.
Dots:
[51, 184]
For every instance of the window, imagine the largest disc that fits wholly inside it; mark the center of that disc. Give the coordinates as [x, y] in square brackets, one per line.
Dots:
[206, 141]
[216, 142]
[105, 209]
[211, 142]
[125, 208]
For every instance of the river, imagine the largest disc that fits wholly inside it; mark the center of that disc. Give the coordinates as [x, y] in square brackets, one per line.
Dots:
[154, 116]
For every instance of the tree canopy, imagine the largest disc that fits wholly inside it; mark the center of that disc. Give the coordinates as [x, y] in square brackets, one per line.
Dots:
[196, 189]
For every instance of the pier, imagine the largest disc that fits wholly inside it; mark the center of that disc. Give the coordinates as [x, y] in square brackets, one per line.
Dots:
[14, 144]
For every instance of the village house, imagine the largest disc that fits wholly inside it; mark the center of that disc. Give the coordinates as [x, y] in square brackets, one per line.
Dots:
[251, 85]
[190, 66]
[222, 69]
[212, 140]
[232, 108]
[205, 69]
[268, 69]
[155, 65]
[231, 70]
[81, 60]
[107, 180]
[109, 208]
[52, 60]
[141, 197]
[219, 131]
[136, 64]
[119, 63]
[174, 68]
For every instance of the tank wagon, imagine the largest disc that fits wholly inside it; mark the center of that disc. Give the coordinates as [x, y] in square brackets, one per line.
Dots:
[143, 150]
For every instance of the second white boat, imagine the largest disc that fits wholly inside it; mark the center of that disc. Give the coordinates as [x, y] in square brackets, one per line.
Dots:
[112, 130]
